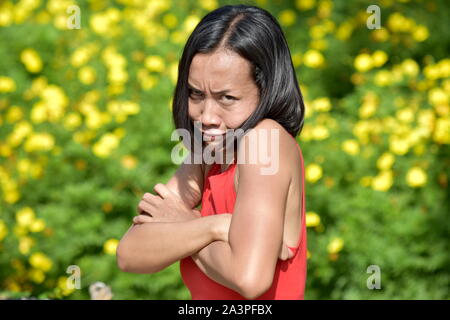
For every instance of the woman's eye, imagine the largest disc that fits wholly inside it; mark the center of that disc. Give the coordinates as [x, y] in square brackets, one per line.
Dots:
[230, 98]
[195, 94]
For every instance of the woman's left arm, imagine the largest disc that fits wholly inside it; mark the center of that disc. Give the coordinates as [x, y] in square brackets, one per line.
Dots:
[247, 262]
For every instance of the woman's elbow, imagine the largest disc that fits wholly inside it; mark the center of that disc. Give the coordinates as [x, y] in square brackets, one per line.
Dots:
[121, 258]
[127, 261]
[253, 287]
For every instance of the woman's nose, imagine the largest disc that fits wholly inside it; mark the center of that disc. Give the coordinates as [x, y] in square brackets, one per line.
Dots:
[209, 115]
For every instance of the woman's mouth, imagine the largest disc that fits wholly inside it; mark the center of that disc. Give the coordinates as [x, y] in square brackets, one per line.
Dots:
[207, 137]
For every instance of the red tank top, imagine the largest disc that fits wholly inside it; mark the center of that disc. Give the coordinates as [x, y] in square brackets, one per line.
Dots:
[290, 275]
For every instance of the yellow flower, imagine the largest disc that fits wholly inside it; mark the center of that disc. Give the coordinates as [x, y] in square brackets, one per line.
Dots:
[398, 145]
[405, 115]
[209, 5]
[179, 37]
[380, 35]
[426, 118]
[420, 33]
[12, 196]
[313, 172]
[313, 59]
[320, 132]
[72, 121]
[416, 177]
[335, 245]
[287, 17]
[107, 143]
[94, 120]
[36, 275]
[80, 56]
[312, 219]
[397, 22]
[437, 96]
[383, 181]
[40, 261]
[305, 4]
[442, 130]
[170, 20]
[368, 109]
[431, 72]
[100, 23]
[62, 286]
[386, 161]
[110, 246]
[25, 244]
[87, 75]
[117, 75]
[14, 114]
[379, 58]
[52, 106]
[363, 62]
[3, 230]
[7, 85]
[190, 23]
[351, 146]
[37, 225]
[383, 78]
[129, 162]
[30, 58]
[39, 142]
[25, 216]
[321, 104]
[410, 67]
[154, 64]
[444, 68]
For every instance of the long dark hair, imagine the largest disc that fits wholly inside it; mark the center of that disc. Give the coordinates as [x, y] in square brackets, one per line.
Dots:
[254, 34]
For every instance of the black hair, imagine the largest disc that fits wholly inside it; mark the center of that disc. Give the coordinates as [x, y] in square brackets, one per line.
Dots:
[255, 35]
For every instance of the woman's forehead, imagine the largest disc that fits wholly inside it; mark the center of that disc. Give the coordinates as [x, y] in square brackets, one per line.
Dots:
[223, 68]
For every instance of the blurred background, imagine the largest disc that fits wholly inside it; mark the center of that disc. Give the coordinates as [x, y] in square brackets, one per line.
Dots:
[85, 126]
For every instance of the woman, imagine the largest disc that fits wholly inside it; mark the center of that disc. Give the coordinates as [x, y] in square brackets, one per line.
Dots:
[249, 240]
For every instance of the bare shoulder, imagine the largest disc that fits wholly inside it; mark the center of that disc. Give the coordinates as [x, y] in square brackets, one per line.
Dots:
[270, 145]
[269, 134]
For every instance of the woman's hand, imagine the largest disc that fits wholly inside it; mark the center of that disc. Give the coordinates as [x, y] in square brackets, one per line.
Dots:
[164, 207]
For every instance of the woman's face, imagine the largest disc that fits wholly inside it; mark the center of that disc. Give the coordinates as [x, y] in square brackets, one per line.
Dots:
[222, 93]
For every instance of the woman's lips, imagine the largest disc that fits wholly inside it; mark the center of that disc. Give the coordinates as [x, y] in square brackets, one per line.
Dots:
[212, 137]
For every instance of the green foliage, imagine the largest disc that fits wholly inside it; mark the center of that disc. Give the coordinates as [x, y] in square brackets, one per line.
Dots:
[83, 136]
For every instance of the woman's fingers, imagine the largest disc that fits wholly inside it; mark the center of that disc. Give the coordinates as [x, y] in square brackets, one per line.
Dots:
[162, 190]
[142, 218]
[144, 206]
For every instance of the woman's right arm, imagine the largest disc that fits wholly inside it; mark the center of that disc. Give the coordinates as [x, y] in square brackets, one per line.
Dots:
[151, 247]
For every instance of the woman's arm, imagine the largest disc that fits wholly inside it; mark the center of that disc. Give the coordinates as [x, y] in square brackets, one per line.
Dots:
[246, 264]
[151, 247]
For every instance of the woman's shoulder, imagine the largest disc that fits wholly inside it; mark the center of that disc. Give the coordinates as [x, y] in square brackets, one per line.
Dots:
[271, 145]
[269, 133]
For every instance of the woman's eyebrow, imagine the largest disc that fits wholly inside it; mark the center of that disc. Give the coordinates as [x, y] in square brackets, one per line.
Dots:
[213, 92]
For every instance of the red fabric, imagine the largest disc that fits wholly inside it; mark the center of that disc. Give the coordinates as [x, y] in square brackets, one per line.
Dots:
[290, 276]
